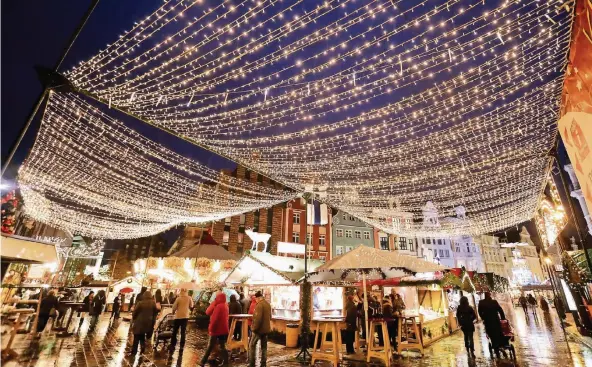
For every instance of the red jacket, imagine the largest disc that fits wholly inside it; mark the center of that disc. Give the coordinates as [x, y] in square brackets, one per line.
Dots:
[218, 312]
[252, 308]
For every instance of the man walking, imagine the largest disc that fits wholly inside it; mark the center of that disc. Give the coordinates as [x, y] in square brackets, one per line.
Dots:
[261, 327]
[182, 309]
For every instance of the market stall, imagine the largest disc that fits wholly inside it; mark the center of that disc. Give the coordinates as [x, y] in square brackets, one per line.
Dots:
[277, 278]
[369, 268]
[205, 263]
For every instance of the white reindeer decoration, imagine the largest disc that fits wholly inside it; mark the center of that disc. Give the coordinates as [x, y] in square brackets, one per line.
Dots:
[257, 237]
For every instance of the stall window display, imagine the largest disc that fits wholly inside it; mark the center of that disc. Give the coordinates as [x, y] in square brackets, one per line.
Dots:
[285, 301]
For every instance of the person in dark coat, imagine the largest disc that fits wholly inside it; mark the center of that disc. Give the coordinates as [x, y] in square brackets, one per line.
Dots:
[85, 308]
[491, 312]
[351, 321]
[235, 308]
[524, 303]
[171, 298]
[131, 302]
[533, 303]
[245, 302]
[465, 314]
[143, 321]
[392, 322]
[96, 308]
[47, 304]
[116, 307]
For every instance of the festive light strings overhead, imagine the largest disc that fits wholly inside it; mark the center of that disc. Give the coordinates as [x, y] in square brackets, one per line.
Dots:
[89, 174]
[378, 105]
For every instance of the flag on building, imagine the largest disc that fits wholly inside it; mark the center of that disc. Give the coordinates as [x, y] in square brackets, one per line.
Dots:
[317, 213]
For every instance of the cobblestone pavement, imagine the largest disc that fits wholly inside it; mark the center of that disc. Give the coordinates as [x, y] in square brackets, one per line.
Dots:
[539, 342]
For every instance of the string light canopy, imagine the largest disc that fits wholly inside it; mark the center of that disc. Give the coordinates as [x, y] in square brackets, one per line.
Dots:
[88, 173]
[377, 105]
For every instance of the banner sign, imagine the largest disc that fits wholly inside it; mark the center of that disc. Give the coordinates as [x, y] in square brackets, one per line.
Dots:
[576, 132]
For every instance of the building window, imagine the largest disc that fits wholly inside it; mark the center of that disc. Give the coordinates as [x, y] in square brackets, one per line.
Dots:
[241, 238]
[295, 237]
[384, 245]
[457, 249]
[348, 248]
[358, 234]
[352, 218]
[435, 254]
[446, 253]
[242, 219]
[227, 221]
[441, 252]
[344, 216]
[402, 243]
[366, 235]
[439, 241]
[348, 233]
[411, 247]
[296, 218]
[429, 241]
[321, 240]
[338, 250]
[339, 232]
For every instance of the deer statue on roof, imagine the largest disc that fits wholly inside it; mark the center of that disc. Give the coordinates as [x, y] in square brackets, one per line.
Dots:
[256, 238]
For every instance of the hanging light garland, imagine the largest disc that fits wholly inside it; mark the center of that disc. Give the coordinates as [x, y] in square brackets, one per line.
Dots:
[89, 174]
[377, 102]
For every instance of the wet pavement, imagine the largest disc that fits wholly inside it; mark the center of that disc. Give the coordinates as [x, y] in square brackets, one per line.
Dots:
[539, 342]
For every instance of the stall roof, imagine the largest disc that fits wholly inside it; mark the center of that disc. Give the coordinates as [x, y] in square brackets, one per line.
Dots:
[364, 257]
[262, 268]
[207, 248]
[27, 250]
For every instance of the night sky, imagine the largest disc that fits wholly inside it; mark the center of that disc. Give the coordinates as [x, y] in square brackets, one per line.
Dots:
[36, 32]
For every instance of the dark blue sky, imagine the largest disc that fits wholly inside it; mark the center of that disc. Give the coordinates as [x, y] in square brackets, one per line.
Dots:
[35, 33]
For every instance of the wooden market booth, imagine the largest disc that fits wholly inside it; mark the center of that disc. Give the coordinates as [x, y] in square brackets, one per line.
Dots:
[277, 278]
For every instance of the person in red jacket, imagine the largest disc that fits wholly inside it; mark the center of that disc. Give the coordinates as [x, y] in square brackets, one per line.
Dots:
[252, 308]
[218, 329]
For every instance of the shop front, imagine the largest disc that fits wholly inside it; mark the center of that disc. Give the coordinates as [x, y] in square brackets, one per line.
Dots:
[276, 277]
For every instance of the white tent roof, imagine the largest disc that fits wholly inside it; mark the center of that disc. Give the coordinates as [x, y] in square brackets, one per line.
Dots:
[262, 268]
[363, 257]
[26, 250]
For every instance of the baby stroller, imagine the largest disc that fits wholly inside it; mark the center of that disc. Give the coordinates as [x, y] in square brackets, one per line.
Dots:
[163, 332]
[508, 338]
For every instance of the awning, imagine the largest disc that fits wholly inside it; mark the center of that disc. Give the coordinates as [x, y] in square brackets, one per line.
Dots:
[26, 250]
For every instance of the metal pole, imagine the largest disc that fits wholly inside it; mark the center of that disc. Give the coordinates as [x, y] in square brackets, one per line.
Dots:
[555, 295]
[46, 88]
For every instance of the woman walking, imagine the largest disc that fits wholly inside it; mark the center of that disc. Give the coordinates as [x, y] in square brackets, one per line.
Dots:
[218, 328]
[143, 321]
[466, 318]
[96, 308]
[47, 309]
[491, 313]
[85, 308]
[116, 307]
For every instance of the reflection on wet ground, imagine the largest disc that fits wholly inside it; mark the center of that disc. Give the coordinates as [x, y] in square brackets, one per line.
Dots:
[539, 342]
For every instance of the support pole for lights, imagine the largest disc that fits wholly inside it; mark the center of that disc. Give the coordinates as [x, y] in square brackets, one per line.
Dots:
[304, 355]
[49, 82]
